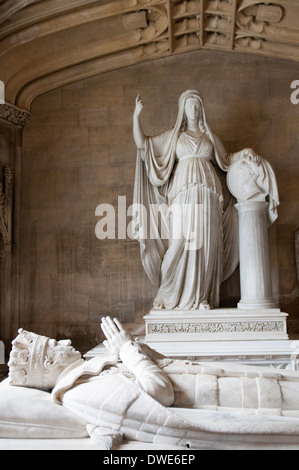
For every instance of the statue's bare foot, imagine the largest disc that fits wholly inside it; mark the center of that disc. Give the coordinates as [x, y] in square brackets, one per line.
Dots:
[158, 303]
[205, 306]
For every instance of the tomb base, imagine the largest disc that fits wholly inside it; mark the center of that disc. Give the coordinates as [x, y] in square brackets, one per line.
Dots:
[252, 337]
[224, 324]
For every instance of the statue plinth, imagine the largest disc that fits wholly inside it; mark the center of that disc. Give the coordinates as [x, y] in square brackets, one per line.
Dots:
[224, 324]
[254, 337]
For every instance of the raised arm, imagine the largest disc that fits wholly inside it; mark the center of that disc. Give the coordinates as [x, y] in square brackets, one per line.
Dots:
[138, 133]
[149, 376]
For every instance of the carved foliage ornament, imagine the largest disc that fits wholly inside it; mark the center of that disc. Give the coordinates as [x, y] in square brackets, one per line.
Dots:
[213, 327]
[256, 16]
[13, 115]
[150, 29]
[257, 22]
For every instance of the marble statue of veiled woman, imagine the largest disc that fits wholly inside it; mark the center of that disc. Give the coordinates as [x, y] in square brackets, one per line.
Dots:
[184, 168]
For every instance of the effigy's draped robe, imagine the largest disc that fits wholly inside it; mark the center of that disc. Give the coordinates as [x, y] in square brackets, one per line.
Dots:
[201, 250]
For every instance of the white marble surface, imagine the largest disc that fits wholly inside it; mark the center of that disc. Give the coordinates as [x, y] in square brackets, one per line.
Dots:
[203, 240]
[251, 182]
[87, 445]
[75, 444]
[255, 270]
[225, 324]
[282, 353]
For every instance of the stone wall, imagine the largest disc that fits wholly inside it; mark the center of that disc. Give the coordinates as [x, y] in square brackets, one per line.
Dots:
[11, 123]
[78, 152]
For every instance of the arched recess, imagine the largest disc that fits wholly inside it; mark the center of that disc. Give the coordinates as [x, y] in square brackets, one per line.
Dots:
[45, 44]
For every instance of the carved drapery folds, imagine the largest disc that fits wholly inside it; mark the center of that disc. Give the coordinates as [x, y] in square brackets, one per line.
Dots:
[6, 201]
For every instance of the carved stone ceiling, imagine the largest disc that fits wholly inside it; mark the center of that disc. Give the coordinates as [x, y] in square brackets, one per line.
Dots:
[45, 44]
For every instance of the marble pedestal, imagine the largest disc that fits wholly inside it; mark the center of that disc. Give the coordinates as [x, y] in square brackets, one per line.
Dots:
[255, 271]
[274, 353]
[256, 337]
[228, 324]
[278, 354]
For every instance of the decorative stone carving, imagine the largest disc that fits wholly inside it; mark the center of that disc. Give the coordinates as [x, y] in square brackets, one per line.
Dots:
[259, 17]
[13, 115]
[151, 33]
[226, 327]
[139, 30]
[219, 325]
[266, 28]
[136, 20]
[6, 201]
[219, 24]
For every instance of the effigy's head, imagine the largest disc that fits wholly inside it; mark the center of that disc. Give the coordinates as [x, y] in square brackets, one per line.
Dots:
[37, 361]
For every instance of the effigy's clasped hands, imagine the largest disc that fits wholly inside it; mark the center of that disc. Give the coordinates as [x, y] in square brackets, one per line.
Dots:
[116, 335]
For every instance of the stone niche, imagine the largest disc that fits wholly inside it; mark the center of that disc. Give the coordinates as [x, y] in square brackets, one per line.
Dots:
[12, 121]
[78, 152]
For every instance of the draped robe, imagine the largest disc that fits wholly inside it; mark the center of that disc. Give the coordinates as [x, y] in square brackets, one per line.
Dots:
[181, 171]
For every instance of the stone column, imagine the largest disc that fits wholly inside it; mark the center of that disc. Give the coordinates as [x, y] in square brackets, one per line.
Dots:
[255, 272]
[253, 184]
[12, 122]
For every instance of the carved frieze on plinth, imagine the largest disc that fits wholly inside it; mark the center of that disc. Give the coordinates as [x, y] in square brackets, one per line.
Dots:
[215, 325]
